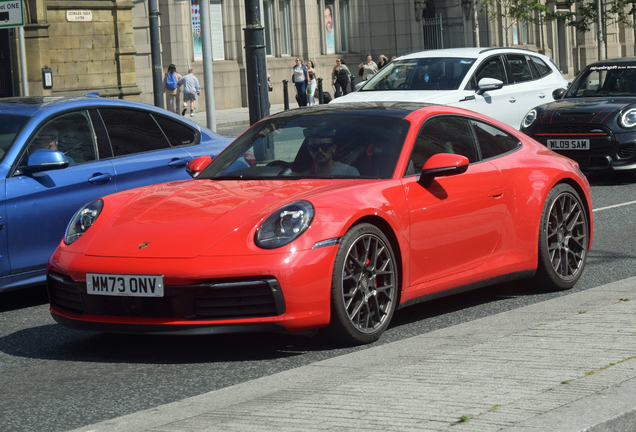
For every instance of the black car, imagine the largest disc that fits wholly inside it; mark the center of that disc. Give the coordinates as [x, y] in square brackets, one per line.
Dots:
[594, 122]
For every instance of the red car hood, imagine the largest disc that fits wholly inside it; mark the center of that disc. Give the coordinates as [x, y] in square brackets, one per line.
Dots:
[183, 219]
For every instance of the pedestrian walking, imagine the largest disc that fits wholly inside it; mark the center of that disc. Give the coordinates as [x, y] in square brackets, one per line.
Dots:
[340, 78]
[300, 78]
[368, 68]
[382, 61]
[171, 88]
[313, 83]
[191, 89]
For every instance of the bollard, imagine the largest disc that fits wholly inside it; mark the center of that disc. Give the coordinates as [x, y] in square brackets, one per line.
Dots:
[285, 95]
[353, 84]
[321, 95]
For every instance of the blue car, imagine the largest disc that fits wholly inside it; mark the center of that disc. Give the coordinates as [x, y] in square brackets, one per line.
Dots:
[57, 154]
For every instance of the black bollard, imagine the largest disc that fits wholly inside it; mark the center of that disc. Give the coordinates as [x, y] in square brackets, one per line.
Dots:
[285, 95]
[321, 95]
[353, 84]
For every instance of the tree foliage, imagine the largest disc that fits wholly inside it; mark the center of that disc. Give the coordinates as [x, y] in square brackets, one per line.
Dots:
[586, 13]
[511, 12]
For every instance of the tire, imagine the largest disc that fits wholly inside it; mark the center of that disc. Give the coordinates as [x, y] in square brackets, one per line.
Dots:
[364, 286]
[563, 239]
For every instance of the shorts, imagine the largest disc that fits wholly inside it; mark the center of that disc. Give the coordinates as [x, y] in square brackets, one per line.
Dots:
[189, 97]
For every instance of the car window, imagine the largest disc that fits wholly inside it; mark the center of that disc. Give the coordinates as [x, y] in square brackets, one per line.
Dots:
[540, 65]
[429, 73]
[10, 127]
[177, 133]
[132, 131]
[70, 134]
[314, 146]
[492, 68]
[519, 67]
[493, 141]
[445, 134]
[605, 80]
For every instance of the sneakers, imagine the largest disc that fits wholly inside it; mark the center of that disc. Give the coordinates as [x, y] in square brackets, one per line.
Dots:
[184, 111]
[192, 113]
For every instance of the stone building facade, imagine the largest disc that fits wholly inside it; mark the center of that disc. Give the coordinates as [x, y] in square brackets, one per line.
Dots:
[110, 52]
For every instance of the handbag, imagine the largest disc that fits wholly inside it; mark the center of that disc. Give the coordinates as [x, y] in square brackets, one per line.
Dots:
[361, 72]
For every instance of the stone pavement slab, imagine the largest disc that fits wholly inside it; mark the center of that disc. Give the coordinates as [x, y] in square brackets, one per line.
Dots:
[567, 364]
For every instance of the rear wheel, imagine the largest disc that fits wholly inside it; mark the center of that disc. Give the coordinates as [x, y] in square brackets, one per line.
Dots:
[364, 286]
[563, 239]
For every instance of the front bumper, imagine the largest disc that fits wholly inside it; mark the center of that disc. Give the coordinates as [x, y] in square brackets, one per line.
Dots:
[203, 295]
[608, 150]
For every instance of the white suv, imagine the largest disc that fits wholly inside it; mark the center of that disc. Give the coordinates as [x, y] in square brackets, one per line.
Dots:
[503, 83]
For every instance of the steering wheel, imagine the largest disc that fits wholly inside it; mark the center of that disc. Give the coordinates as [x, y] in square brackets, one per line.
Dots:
[283, 164]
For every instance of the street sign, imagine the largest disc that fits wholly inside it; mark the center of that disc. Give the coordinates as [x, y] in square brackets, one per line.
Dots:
[11, 13]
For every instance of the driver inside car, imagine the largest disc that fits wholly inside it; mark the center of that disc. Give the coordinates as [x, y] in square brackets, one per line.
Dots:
[322, 149]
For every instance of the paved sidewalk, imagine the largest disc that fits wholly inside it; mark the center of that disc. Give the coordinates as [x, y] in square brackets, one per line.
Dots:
[229, 118]
[567, 364]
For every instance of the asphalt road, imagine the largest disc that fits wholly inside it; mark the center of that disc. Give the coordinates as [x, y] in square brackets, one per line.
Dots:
[55, 379]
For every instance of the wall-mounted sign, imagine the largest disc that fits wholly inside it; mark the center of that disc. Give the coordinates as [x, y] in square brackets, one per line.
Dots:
[11, 13]
[79, 15]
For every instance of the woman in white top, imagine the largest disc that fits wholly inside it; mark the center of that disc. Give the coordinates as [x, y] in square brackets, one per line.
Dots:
[368, 67]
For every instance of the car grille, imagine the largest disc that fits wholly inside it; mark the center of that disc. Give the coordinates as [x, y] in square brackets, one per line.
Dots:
[567, 129]
[217, 300]
[625, 151]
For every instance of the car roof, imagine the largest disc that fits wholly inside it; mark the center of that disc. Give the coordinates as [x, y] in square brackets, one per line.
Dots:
[31, 105]
[391, 109]
[470, 52]
[612, 62]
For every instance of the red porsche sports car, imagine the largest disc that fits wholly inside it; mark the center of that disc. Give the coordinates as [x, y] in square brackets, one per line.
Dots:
[326, 218]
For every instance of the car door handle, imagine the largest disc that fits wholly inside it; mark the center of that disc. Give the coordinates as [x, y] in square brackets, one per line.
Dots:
[177, 163]
[541, 95]
[100, 178]
[496, 193]
[512, 100]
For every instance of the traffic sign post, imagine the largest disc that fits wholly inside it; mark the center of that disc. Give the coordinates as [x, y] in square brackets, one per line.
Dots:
[11, 13]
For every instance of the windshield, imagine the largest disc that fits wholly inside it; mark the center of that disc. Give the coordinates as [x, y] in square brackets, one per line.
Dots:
[10, 127]
[432, 73]
[605, 80]
[327, 145]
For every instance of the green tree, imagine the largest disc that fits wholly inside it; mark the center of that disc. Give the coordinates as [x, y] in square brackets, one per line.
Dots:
[511, 12]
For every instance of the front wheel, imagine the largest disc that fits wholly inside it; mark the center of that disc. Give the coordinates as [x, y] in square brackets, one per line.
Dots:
[563, 239]
[364, 286]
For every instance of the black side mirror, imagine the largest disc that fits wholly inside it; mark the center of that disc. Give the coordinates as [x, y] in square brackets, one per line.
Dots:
[558, 93]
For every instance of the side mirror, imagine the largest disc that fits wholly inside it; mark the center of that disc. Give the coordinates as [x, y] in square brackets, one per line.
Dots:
[442, 165]
[196, 165]
[558, 93]
[44, 160]
[488, 84]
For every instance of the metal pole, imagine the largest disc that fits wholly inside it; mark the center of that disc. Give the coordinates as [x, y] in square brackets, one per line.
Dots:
[600, 30]
[321, 94]
[255, 64]
[285, 95]
[23, 65]
[155, 53]
[206, 51]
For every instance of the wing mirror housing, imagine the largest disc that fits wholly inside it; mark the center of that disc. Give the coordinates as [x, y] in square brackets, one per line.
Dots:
[488, 84]
[558, 93]
[44, 160]
[197, 165]
[442, 165]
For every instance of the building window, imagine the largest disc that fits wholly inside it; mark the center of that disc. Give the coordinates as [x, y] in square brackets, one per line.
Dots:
[216, 28]
[343, 21]
[268, 18]
[285, 37]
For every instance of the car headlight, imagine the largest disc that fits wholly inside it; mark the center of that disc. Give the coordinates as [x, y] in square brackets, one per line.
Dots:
[82, 221]
[627, 119]
[284, 225]
[529, 118]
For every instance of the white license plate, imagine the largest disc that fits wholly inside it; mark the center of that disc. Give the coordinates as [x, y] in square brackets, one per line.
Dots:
[124, 285]
[569, 144]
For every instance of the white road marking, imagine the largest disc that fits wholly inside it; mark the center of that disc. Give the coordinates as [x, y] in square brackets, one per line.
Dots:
[614, 206]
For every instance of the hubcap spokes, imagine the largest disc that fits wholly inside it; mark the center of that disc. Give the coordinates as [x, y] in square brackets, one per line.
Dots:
[566, 233]
[368, 283]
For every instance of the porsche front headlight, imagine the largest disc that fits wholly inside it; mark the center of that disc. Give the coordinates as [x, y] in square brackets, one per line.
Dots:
[284, 225]
[529, 118]
[627, 119]
[82, 221]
